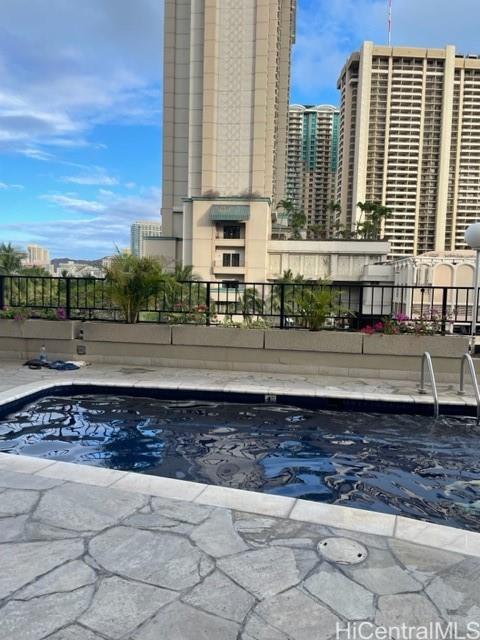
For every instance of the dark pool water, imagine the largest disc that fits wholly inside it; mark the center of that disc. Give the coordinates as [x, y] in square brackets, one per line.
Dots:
[398, 464]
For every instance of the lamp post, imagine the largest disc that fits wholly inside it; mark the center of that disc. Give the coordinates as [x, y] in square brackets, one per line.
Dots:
[472, 238]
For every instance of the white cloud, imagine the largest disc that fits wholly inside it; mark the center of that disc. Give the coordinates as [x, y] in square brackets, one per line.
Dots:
[6, 187]
[95, 232]
[74, 204]
[96, 61]
[97, 178]
[36, 154]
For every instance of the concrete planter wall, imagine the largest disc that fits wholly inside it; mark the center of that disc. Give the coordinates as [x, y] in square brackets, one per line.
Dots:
[218, 337]
[411, 345]
[320, 341]
[271, 350]
[38, 329]
[128, 333]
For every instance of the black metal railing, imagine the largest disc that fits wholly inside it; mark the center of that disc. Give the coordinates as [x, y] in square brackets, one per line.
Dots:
[277, 304]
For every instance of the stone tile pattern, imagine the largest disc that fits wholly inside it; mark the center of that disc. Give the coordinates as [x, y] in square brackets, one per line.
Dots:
[92, 563]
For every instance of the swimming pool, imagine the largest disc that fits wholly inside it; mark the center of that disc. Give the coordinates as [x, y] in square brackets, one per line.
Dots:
[399, 464]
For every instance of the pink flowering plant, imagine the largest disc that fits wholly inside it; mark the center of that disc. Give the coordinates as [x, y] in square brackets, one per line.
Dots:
[20, 314]
[400, 323]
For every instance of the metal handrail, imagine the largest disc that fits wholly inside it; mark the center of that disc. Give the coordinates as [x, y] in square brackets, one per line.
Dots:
[427, 358]
[461, 391]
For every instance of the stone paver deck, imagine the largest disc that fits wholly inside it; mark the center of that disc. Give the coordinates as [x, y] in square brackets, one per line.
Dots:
[84, 562]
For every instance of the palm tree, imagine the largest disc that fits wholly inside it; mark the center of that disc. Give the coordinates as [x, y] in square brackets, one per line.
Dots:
[316, 232]
[184, 273]
[10, 259]
[374, 214]
[251, 303]
[132, 281]
[288, 288]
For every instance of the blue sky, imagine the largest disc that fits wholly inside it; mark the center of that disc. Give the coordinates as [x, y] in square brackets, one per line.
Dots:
[80, 103]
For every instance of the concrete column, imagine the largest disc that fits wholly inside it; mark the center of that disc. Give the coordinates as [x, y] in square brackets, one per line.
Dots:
[420, 162]
[445, 147]
[458, 152]
[362, 130]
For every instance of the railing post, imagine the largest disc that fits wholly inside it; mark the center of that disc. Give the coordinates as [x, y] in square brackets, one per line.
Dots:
[68, 299]
[444, 310]
[360, 307]
[2, 292]
[207, 304]
[282, 305]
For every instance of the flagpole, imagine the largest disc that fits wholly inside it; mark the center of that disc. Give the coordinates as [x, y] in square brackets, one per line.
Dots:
[389, 23]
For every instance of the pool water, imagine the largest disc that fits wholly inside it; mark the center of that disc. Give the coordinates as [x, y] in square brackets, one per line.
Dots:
[400, 464]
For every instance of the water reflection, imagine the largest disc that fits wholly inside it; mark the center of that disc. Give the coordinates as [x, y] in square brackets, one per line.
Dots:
[396, 464]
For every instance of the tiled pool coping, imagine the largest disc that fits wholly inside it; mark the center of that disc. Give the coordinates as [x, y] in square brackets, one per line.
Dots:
[399, 527]
[315, 398]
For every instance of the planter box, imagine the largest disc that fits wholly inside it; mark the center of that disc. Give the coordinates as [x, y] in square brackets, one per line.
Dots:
[38, 329]
[319, 341]
[218, 337]
[132, 333]
[411, 345]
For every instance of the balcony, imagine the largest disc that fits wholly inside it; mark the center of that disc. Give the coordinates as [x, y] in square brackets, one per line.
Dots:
[219, 268]
[229, 242]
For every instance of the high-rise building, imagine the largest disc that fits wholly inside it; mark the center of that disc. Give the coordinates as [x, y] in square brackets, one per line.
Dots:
[140, 231]
[312, 155]
[226, 94]
[410, 139]
[37, 256]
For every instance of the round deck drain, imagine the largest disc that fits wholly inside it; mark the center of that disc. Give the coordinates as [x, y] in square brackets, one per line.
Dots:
[342, 550]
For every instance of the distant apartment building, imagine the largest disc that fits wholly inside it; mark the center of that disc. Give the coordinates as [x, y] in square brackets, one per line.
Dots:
[312, 156]
[140, 231]
[37, 256]
[409, 138]
[226, 96]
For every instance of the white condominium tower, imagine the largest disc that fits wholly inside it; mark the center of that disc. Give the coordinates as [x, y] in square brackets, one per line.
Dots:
[226, 90]
[37, 256]
[312, 155]
[410, 139]
[140, 231]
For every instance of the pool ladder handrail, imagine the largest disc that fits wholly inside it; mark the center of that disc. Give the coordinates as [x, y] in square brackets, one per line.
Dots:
[467, 358]
[427, 359]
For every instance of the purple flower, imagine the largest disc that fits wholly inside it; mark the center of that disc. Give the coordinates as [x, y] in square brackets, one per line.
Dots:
[61, 314]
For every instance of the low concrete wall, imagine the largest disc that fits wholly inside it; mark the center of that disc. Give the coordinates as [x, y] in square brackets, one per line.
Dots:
[317, 341]
[218, 337]
[128, 333]
[411, 345]
[276, 351]
[41, 329]
[24, 339]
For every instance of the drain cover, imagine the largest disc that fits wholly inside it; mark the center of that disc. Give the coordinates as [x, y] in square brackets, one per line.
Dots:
[342, 550]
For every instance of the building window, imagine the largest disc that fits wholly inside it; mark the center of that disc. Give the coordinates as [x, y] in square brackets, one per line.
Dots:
[231, 232]
[231, 260]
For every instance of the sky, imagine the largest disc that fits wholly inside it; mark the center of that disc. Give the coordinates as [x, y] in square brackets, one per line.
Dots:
[81, 99]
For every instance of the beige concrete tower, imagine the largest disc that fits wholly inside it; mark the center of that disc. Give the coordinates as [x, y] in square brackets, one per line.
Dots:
[410, 139]
[226, 89]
